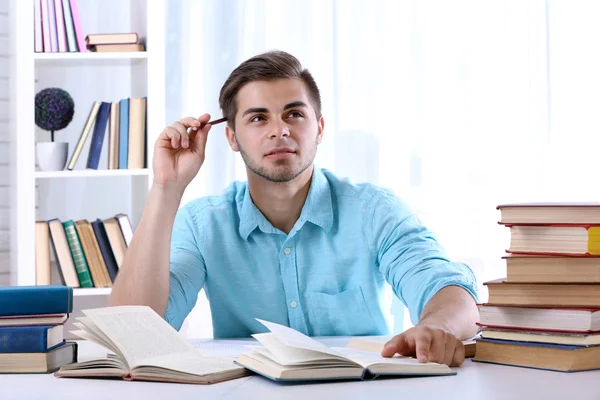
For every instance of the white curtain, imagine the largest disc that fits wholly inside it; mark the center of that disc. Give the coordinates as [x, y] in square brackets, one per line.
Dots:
[457, 106]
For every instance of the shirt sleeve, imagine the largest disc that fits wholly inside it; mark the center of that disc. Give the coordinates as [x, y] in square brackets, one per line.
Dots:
[187, 267]
[410, 257]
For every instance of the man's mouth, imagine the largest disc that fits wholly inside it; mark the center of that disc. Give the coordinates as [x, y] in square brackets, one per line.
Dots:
[281, 151]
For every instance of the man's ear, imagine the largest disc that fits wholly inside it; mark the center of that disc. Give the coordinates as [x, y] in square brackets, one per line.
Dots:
[321, 125]
[231, 138]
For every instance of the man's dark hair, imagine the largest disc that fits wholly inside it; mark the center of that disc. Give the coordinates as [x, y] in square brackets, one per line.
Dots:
[268, 66]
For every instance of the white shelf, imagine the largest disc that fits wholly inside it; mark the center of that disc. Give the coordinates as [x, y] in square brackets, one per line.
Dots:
[91, 173]
[89, 58]
[91, 291]
[88, 77]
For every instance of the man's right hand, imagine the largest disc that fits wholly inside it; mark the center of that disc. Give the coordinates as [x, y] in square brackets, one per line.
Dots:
[179, 152]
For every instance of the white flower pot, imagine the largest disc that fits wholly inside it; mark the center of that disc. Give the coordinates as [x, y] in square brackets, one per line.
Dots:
[52, 156]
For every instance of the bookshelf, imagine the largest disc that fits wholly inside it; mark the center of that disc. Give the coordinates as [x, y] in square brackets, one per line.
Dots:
[88, 77]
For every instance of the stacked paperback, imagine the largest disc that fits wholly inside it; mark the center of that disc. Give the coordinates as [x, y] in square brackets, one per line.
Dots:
[31, 329]
[546, 312]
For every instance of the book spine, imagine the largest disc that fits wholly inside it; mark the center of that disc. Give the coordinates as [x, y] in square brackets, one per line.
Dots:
[24, 339]
[98, 136]
[35, 300]
[83, 272]
[60, 26]
[86, 131]
[137, 130]
[77, 25]
[123, 133]
[46, 27]
[70, 32]
[52, 22]
[37, 19]
[105, 249]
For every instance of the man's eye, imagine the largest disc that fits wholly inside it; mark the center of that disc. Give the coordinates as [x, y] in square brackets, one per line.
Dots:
[257, 118]
[296, 114]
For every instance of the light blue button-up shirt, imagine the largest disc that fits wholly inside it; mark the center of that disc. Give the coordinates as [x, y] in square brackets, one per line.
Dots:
[325, 278]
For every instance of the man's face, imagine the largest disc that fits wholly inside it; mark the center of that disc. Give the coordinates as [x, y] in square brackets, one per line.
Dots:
[277, 132]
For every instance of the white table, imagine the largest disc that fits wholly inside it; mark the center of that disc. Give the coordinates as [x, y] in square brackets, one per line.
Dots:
[474, 381]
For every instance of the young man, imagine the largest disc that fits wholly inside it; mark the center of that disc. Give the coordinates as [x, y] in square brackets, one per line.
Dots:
[294, 245]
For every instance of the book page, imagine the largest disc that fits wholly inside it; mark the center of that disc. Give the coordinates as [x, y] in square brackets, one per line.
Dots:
[289, 355]
[368, 358]
[293, 338]
[139, 333]
[368, 343]
[230, 348]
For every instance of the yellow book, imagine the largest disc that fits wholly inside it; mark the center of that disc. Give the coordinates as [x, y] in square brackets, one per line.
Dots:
[86, 131]
[113, 137]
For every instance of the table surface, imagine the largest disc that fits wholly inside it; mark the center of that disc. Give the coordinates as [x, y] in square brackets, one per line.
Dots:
[473, 381]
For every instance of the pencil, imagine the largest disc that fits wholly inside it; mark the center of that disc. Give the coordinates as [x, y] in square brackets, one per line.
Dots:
[217, 121]
[214, 122]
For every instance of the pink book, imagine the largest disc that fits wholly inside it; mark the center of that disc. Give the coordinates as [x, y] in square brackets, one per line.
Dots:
[46, 27]
[77, 24]
[37, 18]
[60, 26]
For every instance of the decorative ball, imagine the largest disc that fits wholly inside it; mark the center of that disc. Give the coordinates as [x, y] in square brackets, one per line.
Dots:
[54, 109]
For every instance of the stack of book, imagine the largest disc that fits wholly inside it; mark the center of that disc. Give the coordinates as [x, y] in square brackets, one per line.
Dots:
[114, 42]
[31, 329]
[546, 312]
[87, 254]
[125, 121]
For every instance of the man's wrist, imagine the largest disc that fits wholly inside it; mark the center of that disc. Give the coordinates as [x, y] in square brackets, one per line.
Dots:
[168, 191]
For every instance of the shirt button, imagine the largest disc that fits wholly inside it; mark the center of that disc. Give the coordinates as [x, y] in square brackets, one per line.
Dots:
[293, 304]
[287, 251]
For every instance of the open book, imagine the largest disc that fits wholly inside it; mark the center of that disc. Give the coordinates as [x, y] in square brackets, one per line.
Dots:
[146, 348]
[288, 355]
[376, 344]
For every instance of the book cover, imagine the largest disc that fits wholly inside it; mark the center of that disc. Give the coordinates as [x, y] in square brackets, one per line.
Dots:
[113, 137]
[69, 29]
[42, 253]
[137, 133]
[92, 253]
[98, 136]
[84, 134]
[37, 26]
[60, 26]
[38, 363]
[52, 24]
[60, 245]
[105, 249]
[77, 26]
[123, 133]
[30, 300]
[30, 339]
[81, 266]
[46, 27]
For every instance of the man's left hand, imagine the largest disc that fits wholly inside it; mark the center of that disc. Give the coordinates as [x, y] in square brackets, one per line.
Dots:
[427, 343]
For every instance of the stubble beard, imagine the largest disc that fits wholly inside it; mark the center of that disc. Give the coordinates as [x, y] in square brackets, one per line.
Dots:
[284, 171]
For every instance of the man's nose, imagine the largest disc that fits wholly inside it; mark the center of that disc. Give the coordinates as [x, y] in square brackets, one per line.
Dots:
[279, 129]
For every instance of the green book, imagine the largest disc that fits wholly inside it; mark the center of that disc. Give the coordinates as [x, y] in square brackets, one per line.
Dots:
[83, 271]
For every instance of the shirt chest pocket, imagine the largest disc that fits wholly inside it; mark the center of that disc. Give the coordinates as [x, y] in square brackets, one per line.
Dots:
[341, 314]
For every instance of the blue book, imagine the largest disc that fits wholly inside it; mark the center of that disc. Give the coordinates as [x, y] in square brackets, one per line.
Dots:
[123, 133]
[35, 300]
[30, 339]
[105, 249]
[98, 136]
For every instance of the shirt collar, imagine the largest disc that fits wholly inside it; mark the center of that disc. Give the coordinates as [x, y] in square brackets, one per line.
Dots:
[317, 209]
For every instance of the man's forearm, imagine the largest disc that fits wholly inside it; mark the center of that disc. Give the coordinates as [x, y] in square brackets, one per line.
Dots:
[143, 278]
[454, 310]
